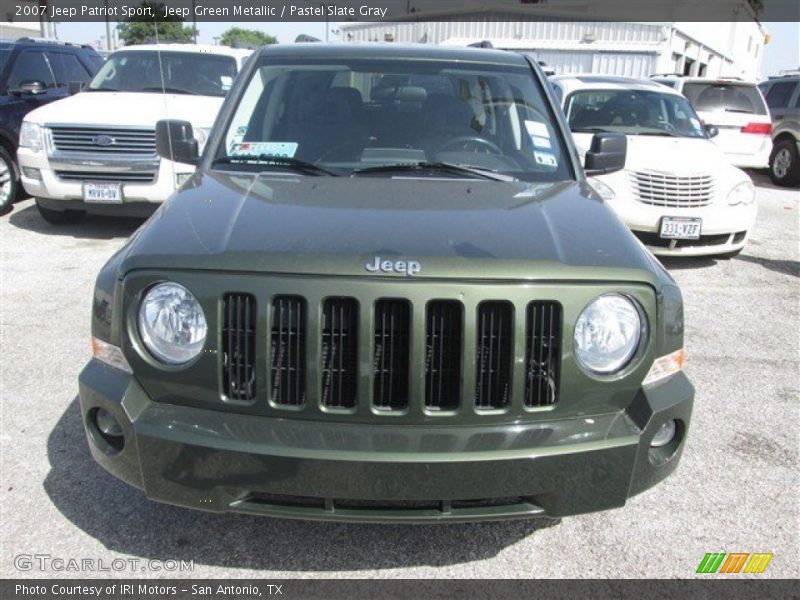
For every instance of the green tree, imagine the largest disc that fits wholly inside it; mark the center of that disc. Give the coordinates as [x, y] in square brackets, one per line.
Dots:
[246, 37]
[143, 29]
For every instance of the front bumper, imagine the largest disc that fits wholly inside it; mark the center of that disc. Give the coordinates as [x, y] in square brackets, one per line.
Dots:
[218, 461]
[725, 228]
[54, 189]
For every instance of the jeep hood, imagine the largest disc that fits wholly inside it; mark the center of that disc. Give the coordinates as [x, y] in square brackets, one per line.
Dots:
[474, 229]
[127, 109]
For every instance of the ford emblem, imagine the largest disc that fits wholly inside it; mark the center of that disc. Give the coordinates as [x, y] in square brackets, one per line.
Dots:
[102, 140]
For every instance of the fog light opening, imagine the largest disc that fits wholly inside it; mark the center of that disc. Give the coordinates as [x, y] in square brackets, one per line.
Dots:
[32, 173]
[108, 432]
[664, 435]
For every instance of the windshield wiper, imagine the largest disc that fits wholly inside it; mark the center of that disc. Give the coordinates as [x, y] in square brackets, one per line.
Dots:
[590, 130]
[270, 160]
[165, 89]
[88, 89]
[662, 133]
[454, 168]
[739, 110]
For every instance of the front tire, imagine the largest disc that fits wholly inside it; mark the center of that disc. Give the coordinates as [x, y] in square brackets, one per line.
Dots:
[59, 217]
[784, 163]
[9, 182]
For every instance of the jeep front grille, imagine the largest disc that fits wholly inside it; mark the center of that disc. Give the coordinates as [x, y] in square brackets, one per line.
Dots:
[661, 189]
[288, 351]
[103, 140]
[316, 353]
[238, 347]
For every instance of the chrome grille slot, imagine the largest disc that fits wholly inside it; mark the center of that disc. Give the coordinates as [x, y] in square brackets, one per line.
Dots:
[110, 176]
[494, 353]
[288, 351]
[661, 189]
[542, 353]
[239, 347]
[104, 140]
[443, 341]
[391, 355]
[339, 353]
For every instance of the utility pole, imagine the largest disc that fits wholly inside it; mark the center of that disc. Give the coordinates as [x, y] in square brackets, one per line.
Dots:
[108, 28]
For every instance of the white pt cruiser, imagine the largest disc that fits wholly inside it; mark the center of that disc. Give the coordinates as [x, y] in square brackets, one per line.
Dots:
[96, 151]
[678, 193]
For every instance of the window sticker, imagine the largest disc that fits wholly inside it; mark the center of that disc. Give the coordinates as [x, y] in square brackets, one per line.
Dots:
[283, 149]
[537, 128]
[545, 159]
[226, 81]
[541, 142]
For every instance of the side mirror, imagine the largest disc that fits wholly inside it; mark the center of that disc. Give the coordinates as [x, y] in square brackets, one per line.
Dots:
[711, 130]
[75, 87]
[606, 154]
[30, 88]
[175, 141]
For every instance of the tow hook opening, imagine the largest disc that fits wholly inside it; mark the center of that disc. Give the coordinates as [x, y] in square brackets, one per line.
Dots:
[106, 431]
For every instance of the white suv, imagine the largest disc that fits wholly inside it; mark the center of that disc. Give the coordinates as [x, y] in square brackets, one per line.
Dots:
[677, 193]
[96, 151]
[737, 109]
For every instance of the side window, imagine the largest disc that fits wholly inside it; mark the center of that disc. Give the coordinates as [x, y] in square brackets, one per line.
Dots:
[31, 65]
[780, 93]
[67, 68]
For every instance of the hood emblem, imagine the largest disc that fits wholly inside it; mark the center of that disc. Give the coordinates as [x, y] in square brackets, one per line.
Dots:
[404, 267]
[102, 140]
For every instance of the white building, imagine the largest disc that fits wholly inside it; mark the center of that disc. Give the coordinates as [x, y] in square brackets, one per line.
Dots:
[581, 45]
[12, 30]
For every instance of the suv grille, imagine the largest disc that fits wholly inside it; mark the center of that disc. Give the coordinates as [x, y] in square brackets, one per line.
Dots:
[325, 339]
[104, 140]
[239, 347]
[659, 189]
[111, 176]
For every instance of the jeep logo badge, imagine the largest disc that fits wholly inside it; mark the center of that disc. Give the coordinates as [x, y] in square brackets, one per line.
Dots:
[406, 267]
[102, 140]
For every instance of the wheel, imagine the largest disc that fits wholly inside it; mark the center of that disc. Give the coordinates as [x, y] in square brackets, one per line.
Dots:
[9, 183]
[784, 163]
[59, 217]
[729, 255]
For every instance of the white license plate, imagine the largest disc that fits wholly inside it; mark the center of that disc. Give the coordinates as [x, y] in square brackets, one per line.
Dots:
[680, 228]
[102, 192]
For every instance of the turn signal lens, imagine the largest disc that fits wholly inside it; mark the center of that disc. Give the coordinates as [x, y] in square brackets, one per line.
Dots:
[110, 354]
[665, 366]
[760, 128]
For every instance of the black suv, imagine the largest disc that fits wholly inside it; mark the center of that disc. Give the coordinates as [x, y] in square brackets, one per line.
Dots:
[33, 73]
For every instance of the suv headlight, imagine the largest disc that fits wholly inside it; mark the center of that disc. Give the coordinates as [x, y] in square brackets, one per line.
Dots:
[201, 135]
[172, 324]
[743, 193]
[607, 333]
[30, 136]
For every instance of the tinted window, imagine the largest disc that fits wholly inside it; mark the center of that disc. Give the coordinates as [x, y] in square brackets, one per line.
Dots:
[780, 93]
[731, 97]
[31, 65]
[172, 72]
[67, 68]
[632, 112]
[346, 115]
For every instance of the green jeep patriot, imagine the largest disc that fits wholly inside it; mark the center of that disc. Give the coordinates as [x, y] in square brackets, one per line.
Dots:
[388, 293]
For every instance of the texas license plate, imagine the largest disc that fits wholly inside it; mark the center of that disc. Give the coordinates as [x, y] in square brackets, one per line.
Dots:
[102, 192]
[680, 228]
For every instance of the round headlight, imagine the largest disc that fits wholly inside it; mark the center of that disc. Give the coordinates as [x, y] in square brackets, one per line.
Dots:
[607, 333]
[172, 323]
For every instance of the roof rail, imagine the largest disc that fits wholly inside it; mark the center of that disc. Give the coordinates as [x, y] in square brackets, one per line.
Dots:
[305, 38]
[481, 44]
[38, 40]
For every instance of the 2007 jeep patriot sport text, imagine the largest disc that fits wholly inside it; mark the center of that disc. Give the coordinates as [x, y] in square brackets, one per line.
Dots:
[388, 293]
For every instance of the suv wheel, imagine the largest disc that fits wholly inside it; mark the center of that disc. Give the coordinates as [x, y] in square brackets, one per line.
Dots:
[59, 217]
[9, 184]
[784, 163]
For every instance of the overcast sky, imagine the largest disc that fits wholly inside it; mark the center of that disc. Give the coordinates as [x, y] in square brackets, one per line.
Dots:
[783, 51]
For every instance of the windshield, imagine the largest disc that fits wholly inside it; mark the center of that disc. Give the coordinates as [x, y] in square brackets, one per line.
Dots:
[170, 72]
[367, 114]
[632, 112]
[731, 97]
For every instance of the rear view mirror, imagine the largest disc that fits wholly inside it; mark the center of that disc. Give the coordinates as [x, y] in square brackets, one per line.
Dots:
[175, 141]
[606, 154]
[30, 88]
[711, 130]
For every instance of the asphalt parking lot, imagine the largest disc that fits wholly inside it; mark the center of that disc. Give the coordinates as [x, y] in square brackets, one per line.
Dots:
[735, 491]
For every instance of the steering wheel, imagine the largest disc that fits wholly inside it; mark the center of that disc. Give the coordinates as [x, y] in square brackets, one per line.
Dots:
[463, 140]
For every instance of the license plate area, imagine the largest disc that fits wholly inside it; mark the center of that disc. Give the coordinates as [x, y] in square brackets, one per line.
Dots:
[102, 193]
[680, 228]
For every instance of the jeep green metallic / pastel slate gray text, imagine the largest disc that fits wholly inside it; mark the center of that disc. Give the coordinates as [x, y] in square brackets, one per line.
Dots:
[388, 293]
